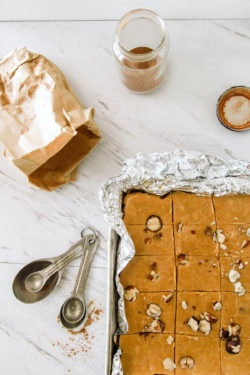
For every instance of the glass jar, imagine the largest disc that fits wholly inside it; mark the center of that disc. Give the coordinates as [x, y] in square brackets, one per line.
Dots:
[141, 46]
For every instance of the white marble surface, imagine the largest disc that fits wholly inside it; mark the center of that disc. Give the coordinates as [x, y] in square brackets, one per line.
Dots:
[206, 57]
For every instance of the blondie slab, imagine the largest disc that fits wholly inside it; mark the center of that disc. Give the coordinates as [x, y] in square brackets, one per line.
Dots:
[144, 354]
[150, 273]
[150, 243]
[138, 207]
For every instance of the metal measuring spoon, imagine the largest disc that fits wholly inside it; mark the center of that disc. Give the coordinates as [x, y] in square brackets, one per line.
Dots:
[55, 266]
[73, 311]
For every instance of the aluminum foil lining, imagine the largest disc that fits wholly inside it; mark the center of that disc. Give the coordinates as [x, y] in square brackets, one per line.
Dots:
[159, 173]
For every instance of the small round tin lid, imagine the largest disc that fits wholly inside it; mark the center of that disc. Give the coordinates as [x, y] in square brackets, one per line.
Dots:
[233, 108]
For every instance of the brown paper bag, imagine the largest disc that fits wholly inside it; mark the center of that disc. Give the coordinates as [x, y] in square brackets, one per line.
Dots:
[43, 126]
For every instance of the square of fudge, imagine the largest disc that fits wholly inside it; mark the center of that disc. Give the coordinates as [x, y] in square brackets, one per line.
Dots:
[236, 309]
[150, 273]
[232, 209]
[192, 304]
[144, 354]
[236, 364]
[235, 239]
[195, 239]
[150, 243]
[192, 209]
[205, 352]
[151, 312]
[139, 206]
[197, 273]
[230, 264]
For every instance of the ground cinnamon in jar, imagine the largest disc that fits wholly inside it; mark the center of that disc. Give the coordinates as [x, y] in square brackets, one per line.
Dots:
[141, 48]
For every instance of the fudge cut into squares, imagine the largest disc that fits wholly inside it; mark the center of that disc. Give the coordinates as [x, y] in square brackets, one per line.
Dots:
[197, 273]
[145, 354]
[150, 243]
[232, 209]
[236, 309]
[192, 209]
[195, 239]
[235, 269]
[139, 207]
[149, 273]
[236, 364]
[234, 239]
[204, 351]
[151, 312]
[190, 305]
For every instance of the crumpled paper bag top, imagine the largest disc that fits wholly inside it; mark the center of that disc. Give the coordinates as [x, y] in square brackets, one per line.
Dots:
[43, 126]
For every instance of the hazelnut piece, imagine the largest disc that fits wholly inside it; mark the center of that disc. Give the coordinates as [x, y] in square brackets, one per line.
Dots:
[170, 340]
[219, 236]
[184, 305]
[193, 323]
[179, 227]
[233, 345]
[130, 293]
[210, 318]
[153, 310]
[167, 297]
[169, 364]
[205, 326]
[224, 334]
[153, 223]
[153, 276]
[233, 276]
[155, 326]
[182, 259]
[248, 232]
[239, 289]
[217, 306]
[233, 329]
[187, 363]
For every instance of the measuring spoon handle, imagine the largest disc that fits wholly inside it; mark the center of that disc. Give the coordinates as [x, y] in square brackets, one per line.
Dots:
[87, 259]
[73, 252]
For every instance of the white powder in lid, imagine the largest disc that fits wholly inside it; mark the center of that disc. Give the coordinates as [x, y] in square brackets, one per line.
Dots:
[237, 110]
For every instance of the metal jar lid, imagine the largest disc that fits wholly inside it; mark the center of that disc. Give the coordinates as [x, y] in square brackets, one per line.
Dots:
[226, 95]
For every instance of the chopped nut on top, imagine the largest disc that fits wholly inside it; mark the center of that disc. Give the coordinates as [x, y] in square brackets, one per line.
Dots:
[224, 334]
[167, 297]
[219, 236]
[239, 289]
[233, 275]
[233, 329]
[154, 223]
[153, 276]
[217, 306]
[179, 227]
[205, 326]
[210, 318]
[130, 293]
[184, 305]
[169, 364]
[248, 232]
[245, 243]
[233, 345]
[182, 259]
[193, 323]
[187, 363]
[170, 340]
[153, 310]
[155, 326]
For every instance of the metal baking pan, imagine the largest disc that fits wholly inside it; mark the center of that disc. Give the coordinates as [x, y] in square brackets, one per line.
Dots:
[112, 325]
